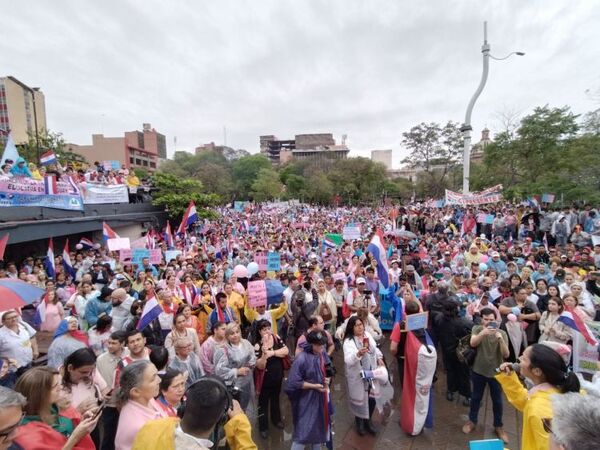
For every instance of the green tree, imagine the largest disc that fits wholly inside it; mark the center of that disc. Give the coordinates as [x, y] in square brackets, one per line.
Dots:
[174, 194]
[436, 149]
[319, 188]
[357, 180]
[48, 140]
[266, 186]
[245, 172]
[140, 172]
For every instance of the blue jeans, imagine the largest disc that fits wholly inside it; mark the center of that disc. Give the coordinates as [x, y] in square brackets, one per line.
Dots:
[479, 382]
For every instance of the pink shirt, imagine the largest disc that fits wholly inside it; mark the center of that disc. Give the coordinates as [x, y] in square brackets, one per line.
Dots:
[132, 418]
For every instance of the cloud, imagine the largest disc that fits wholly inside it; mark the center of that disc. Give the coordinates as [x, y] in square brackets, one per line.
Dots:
[367, 69]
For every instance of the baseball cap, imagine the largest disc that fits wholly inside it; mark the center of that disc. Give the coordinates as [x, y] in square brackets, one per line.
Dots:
[410, 268]
[494, 254]
[360, 280]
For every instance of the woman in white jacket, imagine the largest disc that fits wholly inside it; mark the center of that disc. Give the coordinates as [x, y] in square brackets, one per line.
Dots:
[361, 358]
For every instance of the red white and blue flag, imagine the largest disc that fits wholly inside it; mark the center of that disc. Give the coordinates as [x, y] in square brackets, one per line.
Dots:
[49, 261]
[66, 261]
[86, 243]
[377, 248]
[48, 158]
[40, 312]
[189, 217]
[151, 311]
[108, 232]
[50, 185]
[169, 236]
[572, 320]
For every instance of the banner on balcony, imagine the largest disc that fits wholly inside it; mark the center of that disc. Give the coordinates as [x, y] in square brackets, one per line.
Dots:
[95, 194]
[22, 191]
[491, 195]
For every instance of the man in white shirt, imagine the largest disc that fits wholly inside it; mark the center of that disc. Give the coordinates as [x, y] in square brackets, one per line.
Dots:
[360, 298]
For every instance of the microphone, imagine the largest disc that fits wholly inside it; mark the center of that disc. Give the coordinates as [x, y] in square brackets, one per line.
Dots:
[514, 367]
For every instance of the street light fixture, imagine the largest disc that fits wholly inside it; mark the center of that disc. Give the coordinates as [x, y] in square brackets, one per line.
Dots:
[467, 128]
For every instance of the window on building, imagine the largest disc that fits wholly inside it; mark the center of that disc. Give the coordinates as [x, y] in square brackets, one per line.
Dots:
[153, 165]
[138, 162]
[131, 160]
[145, 163]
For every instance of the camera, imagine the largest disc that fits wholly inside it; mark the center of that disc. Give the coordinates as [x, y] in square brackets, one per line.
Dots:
[235, 392]
[367, 293]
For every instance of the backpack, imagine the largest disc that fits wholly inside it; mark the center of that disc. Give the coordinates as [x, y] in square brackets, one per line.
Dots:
[464, 352]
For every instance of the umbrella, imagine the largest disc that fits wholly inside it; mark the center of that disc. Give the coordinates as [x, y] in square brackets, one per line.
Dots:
[16, 294]
[534, 215]
[403, 234]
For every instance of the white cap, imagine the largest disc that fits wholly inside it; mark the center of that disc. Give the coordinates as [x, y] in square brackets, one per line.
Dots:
[360, 280]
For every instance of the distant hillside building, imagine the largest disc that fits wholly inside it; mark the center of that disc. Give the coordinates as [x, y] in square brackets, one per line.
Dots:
[22, 110]
[135, 149]
[314, 147]
[210, 147]
[382, 156]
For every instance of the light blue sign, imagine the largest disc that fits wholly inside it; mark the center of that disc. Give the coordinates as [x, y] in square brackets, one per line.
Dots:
[138, 254]
[273, 262]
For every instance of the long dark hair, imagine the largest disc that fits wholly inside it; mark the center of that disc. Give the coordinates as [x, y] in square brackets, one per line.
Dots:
[553, 368]
[261, 324]
[349, 333]
[79, 358]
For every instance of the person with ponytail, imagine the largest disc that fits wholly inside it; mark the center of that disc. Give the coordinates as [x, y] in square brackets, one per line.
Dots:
[547, 371]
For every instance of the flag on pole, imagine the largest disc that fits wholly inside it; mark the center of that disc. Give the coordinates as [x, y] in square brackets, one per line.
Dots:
[10, 151]
[169, 236]
[377, 249]
[572, 320]
[108, 232]
[49, 261]
[150, 241]
[3, 244]
[189, 217]
[66, 262]
[151, 311]
[40, 312]
[50, 185]
[48, 158]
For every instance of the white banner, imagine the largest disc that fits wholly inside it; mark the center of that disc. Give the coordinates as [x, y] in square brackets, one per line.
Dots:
[94, 194]
[491, 195]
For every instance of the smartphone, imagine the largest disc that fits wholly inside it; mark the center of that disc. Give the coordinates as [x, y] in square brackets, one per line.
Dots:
[366, 342]
[99, 410]
[493, 325]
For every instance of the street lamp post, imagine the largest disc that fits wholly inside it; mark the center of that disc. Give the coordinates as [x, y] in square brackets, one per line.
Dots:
[467, 128]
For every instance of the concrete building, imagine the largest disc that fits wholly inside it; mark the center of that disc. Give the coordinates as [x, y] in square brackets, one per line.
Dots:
[382, 156]
[314, 147]
[477, 149]
[22, 109]
[210, 147]
[136, 149]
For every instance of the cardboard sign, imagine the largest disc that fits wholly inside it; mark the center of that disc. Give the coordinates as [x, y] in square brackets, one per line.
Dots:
[139, 243]
[155, 255]
[416, 321]
[118, 244]
[273, 262]
[351, 232]
[138, 254]
[125, 255]
[172, 254]
[262, 260]
[257, 293]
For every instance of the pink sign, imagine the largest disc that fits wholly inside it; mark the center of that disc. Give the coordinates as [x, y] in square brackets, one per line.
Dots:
[262, 260]
[125, 254]
[257, 293]
[155, 255]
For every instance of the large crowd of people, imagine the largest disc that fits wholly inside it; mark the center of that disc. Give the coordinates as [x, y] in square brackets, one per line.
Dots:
[494, 280]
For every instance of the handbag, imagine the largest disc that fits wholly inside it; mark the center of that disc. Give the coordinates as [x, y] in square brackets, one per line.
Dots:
[464, 352]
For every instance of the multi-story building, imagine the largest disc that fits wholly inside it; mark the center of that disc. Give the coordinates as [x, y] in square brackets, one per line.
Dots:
[382, 156]
[314, 147]
[22, 110]
[136, 149]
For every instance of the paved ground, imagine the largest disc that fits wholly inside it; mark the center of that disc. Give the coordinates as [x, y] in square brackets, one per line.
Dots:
[446, 433]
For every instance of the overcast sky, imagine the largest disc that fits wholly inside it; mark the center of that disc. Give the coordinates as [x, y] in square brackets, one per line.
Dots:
[368, 69]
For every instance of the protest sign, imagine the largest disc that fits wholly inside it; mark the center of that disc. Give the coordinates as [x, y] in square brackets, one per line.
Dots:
[172, 254]
[262, 260]
[155, 255]
[416, 321]
[118, 244]
[257, 293]
[139, 254]
[585, 356]
[351, 232]
[273, 262]
[125, 255]
[139, 243]
[103, 194]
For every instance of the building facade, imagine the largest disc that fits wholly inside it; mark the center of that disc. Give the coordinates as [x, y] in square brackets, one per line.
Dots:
[313, 147]
[135, 150]
[22, 110]
[382, 156]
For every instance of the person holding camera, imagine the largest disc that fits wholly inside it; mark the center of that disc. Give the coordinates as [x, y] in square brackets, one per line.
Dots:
[492, 349]
[208, 407]
[361, 297]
